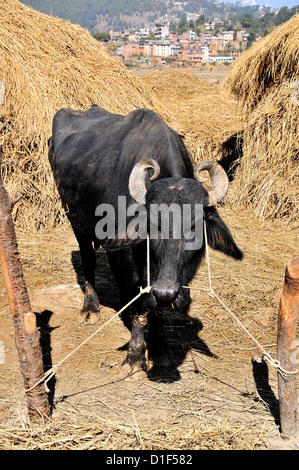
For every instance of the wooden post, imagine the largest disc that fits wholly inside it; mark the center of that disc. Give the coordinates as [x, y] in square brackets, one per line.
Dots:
[27, 336]
[286, 351]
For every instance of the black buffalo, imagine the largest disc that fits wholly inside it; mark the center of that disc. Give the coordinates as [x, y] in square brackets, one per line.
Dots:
[96, 157]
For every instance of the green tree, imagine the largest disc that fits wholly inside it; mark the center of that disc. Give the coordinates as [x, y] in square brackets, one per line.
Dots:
[104, 37]
[246, 21]
[200, 20]
[183, 25]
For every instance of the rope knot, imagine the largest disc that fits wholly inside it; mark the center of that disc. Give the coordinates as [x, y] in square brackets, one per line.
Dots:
[145, 290]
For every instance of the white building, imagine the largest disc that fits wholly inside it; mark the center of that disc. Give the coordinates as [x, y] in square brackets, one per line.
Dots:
[222, 59]
[191, 35]
[144, 32]
[228, 36]
[208, 26]
[175, 49]
[164, 30]
[205, 53]
[162, 49]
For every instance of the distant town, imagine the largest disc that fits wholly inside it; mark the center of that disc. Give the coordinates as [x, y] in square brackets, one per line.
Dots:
[154, 46]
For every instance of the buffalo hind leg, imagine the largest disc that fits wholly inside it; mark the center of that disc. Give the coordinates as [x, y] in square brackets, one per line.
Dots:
[90, 312]
[135, 366]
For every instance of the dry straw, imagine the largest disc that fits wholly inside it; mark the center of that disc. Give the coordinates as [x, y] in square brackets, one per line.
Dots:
[47, 63]
[265, 80]
[205, 116]
[251, 121]
[266, 64]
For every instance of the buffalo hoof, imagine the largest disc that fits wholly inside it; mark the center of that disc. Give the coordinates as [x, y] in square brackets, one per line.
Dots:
[89, 317]
[132, 372]
[94, 317]
[90, 312]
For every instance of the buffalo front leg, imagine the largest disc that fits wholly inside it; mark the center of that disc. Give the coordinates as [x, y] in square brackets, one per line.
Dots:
[90, 312]
[135, 366]
[127, 268]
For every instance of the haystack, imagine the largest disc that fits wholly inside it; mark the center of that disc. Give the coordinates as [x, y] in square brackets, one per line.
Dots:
[205, 116]
[47, 63]
[265, 80]
[266, 64]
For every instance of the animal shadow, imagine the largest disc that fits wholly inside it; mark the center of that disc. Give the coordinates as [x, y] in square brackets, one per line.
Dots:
[232, 152]
[42, 322]
[172, 334]
[261, 378]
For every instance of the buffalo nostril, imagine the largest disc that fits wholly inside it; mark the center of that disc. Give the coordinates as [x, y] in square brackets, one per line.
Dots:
[165, 296]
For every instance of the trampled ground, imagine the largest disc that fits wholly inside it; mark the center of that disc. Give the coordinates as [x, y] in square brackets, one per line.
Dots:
[217, 398]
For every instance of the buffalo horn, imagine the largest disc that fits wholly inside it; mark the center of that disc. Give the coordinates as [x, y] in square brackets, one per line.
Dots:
[219, 180]
[137, 186]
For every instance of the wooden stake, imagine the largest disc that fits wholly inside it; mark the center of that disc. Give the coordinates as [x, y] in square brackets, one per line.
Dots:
[27, 336]
[286, 351]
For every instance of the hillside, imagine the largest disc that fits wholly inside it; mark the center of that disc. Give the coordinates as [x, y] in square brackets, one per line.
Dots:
[134, 13]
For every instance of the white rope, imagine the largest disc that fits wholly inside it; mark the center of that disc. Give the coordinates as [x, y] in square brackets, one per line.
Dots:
[148, 261]
[51, 372]
[273, 362]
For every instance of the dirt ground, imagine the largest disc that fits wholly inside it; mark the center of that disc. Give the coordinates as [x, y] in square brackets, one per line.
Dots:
[212, 74]
[218, 396]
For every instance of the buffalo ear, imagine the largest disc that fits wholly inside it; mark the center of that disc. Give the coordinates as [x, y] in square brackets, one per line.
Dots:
[219, 236]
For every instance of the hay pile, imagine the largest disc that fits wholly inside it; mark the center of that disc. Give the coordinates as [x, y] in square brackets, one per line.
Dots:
[47, 63]
[266, 64]
[200, 112]
[265, 81]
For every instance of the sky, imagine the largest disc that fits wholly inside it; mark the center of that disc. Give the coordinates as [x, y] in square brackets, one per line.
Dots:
[278, 3]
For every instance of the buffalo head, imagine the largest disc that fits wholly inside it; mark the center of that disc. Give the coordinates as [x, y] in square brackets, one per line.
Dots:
[172, 264]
